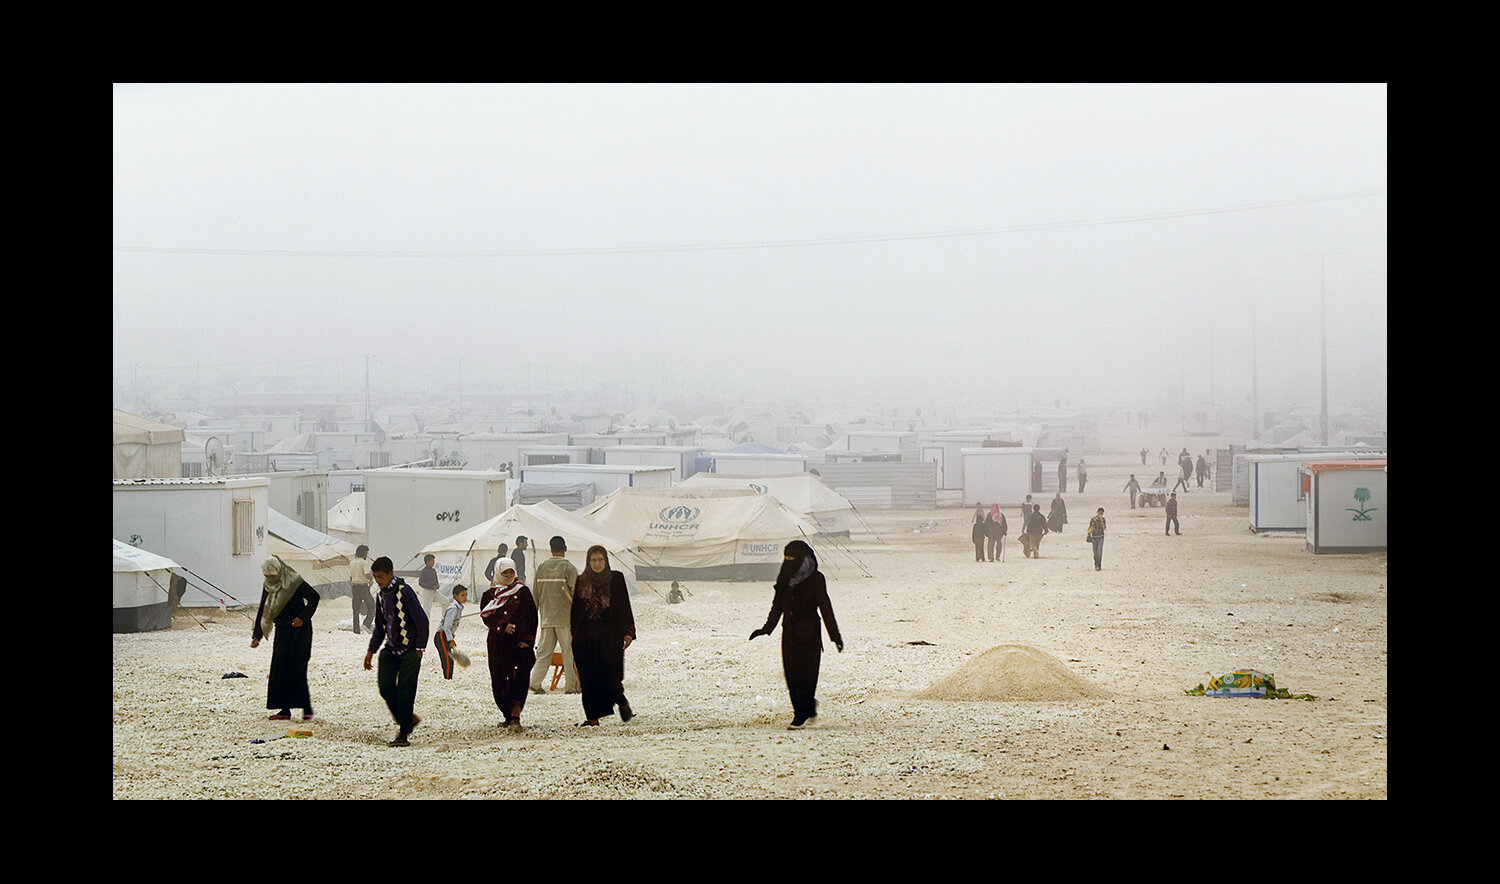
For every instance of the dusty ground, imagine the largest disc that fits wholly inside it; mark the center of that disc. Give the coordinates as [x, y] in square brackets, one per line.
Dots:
[918, 615]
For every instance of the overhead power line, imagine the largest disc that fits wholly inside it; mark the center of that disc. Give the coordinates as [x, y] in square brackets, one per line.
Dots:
[732, 246]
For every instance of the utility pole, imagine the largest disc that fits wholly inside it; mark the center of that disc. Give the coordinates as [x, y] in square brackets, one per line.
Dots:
[1254, 378]
[1323, 321]
[368, 422]
[1323, 338]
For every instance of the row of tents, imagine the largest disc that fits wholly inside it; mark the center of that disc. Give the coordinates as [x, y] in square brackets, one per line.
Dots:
[698, 530]
[706, 528]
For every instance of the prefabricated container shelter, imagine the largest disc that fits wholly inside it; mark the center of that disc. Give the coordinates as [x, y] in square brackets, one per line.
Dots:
[1278, 501]
[302, 496]
[570, 496]
[259, 463]
[342, 483]
[904, 442]
[545, 455]
[492, 451]
[887, 485]
[604, 477]
[727, 463]
[406, 509]
[997, 475]
[214, 528]
[683, 459]
[627, 437]
[946, 450]
[1347, 505]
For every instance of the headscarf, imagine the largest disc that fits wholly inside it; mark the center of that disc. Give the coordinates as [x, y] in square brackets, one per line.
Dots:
[799, 567]
[593, 590]
[281, 584]
[499, 595]
[994, 510]
[501, 564]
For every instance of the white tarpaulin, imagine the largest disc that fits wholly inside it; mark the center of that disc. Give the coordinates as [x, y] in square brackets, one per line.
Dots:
[701, 533]
[320, 559]
[802, 493]
[142, 589]
[146, 449]
[346, 519]
[461, 557]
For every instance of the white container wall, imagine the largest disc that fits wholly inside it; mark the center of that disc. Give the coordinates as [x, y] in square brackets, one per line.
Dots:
[407, 509]
[997, 475]
[214, 528]
[302, 496]
[604, 477]
[1347, 506]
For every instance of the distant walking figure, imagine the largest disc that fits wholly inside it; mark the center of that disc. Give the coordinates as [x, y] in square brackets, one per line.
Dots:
[1134, 488]
[994, 532]
[1096, 537]
[1182, 479]
[1172, 524]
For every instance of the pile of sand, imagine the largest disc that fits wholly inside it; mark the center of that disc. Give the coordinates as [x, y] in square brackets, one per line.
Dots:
[1013, 672]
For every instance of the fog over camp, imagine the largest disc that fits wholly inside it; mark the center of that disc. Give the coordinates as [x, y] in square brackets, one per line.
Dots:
[750, 441]
[706, 248]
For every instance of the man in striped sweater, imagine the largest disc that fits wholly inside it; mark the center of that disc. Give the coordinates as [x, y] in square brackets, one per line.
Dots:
[401, 624]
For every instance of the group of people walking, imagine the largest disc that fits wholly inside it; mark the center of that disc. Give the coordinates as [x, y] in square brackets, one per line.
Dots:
[990, 528]
[588, 615]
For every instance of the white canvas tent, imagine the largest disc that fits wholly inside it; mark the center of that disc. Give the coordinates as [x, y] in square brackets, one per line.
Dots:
[461, 557]
[701, 533]
[321, 559]
[802, 493]
[346, 519]
[146, 449]
[142, 590]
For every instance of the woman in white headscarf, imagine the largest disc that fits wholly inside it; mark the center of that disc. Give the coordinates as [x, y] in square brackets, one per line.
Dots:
[287, 604]
[509, 611]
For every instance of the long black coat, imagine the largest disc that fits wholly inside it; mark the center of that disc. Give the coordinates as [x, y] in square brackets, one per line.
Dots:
[599, 644]
[291, 649]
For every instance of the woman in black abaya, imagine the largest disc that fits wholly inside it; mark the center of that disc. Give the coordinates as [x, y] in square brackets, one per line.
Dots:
[801, 595]
[603, 627]
[287, 604]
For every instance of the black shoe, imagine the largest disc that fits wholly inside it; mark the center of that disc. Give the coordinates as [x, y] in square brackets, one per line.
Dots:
[400, 740]
[625, 713]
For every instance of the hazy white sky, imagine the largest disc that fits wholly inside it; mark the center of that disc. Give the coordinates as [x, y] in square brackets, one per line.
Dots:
[1075, 241]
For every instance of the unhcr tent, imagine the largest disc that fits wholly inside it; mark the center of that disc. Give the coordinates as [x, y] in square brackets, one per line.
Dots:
[320, 559]
[802, 493]
[462, 557]
[146, 449]
[701, 533]
[142, 590]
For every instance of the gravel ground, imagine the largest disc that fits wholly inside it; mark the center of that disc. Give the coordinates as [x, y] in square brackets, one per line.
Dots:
[918, 616]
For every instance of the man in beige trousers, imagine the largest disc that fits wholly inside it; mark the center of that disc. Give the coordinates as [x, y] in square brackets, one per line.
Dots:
[553, 590]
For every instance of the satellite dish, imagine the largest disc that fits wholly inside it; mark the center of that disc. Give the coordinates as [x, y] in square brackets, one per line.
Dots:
[215, 460]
